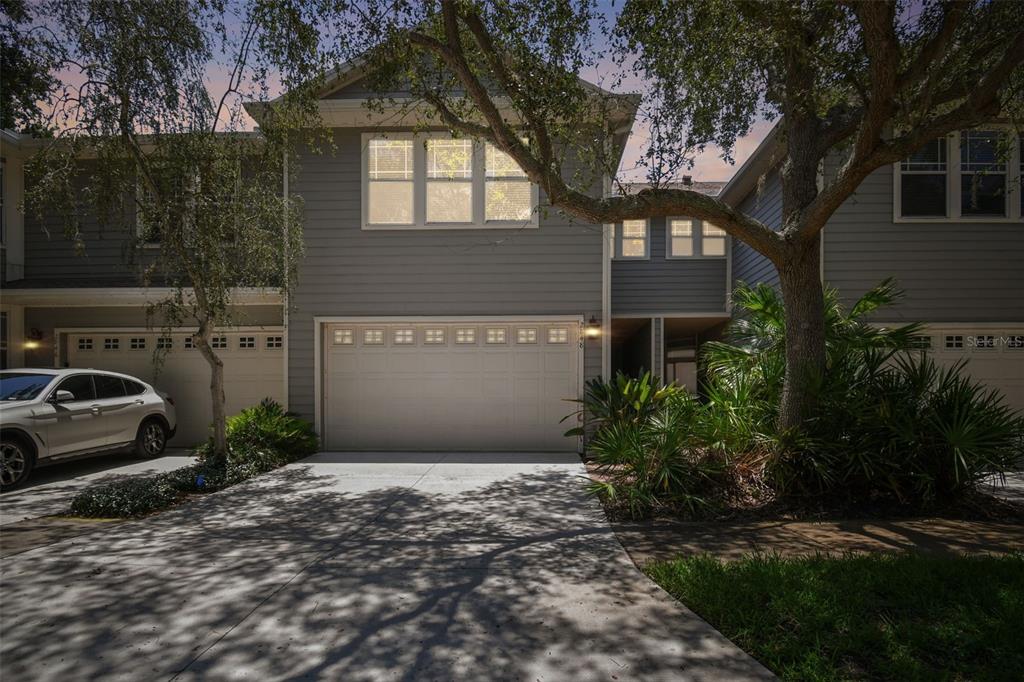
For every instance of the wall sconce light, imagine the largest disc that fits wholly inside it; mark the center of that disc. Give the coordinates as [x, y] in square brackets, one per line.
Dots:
[593, 329]
[32, 339]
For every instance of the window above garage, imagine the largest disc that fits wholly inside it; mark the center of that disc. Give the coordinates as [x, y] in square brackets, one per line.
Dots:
[966, 176]
[416, 182]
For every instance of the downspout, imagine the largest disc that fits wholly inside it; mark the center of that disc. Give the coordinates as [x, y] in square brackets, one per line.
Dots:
[285, 297]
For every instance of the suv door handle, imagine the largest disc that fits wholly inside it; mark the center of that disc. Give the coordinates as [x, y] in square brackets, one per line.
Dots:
[95, 409]
[140, 401]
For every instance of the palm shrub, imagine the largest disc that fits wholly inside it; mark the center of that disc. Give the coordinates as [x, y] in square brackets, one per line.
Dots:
[659, 463]
[624, 400]
[261, 438]
[887, 420]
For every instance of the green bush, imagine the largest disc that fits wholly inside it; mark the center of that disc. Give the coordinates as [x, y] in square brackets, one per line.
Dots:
[624, 400]
[260, 439]
[126, 498]
[887, 422]
[660, 463]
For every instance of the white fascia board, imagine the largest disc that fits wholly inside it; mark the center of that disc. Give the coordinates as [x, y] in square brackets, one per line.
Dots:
[123, 296]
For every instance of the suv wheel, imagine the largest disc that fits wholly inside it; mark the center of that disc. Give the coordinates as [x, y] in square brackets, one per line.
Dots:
[16, 461]
[151, 439]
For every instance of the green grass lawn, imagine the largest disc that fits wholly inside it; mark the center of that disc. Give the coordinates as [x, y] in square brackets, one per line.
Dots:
[865, 617]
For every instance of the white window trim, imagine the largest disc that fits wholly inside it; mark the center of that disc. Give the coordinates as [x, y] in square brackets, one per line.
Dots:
[1013, 214]
[697, 239]
[617, 236]
[419, 189]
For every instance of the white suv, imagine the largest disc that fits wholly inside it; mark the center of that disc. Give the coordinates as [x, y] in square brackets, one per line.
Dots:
[52, 415]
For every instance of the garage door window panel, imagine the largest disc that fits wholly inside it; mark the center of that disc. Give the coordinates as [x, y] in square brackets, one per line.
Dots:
[111, 344]
[526, 335]
[373, 337]
[497, 335]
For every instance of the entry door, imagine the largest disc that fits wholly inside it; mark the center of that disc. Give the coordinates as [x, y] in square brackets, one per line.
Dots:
[450, 385]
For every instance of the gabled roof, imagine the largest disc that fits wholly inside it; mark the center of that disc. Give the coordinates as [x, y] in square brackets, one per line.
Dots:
[767, 155]
[354, 113]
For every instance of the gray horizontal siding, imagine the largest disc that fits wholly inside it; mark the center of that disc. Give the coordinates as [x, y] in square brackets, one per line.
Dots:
[661, 284]
[100, 253]
[951, 272]
[764, 204]
[347, 271]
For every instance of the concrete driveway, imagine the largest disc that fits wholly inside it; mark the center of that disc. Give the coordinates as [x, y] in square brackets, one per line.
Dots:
[360, 567]
[50, 489]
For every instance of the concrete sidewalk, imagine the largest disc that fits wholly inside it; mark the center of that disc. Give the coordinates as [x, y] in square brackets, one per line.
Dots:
[360, 567]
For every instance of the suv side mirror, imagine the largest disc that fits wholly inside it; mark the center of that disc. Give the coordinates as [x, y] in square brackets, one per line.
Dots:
[62, 396]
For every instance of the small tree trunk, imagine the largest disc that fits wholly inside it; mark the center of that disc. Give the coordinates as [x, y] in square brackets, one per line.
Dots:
[803, 297]
[220, 442]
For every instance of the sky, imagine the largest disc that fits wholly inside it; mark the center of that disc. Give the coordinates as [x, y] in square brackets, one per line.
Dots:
[708, 165]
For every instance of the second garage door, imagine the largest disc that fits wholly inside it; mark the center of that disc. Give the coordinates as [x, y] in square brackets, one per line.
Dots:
[253, 369]
[498, 386]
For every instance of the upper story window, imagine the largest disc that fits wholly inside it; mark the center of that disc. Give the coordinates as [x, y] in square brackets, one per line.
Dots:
[923, 181]
[508, 192]
[961, 177]
[390, 182]
[687, 238]
[439, 182]
[712, 240]
[449, 181]
[680, 237]
[634, 241]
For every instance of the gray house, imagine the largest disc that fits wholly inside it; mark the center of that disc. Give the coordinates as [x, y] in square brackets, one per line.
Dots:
[438, 308]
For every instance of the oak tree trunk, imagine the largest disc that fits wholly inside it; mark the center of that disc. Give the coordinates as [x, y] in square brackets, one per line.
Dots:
[220, 443]
[800, 279]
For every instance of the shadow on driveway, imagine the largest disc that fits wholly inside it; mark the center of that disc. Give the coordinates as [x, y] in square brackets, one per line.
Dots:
[347, 567]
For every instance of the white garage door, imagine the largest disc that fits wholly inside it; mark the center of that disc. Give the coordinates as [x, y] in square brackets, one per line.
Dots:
[450, 385]
[253, 369]
[994, 357]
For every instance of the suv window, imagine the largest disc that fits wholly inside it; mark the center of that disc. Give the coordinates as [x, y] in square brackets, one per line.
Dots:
[134, 387]
[80, 386]
[22, 386]
[108, 386]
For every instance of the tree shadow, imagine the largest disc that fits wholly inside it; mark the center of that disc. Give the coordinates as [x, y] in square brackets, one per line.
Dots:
[303, 574]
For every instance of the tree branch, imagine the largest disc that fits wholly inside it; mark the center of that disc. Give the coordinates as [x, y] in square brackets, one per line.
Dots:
[933, 52]
[649, 203]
